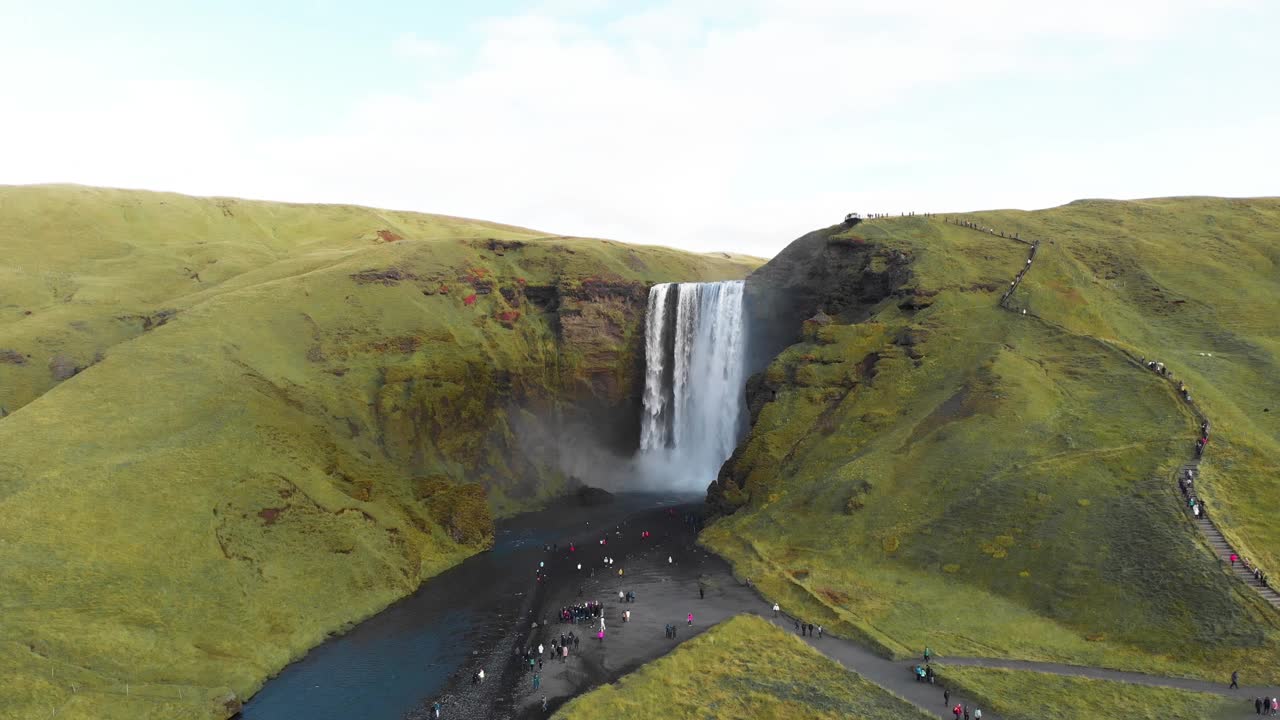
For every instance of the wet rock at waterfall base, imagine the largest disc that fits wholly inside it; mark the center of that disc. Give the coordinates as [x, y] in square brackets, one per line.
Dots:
[587, 496]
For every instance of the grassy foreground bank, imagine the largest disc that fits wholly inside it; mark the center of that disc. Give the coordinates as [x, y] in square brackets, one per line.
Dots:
[1019, 695]
[743, 668]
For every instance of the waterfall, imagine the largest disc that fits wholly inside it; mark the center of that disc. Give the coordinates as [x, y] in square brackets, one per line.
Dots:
[693, 386]
[653, 426]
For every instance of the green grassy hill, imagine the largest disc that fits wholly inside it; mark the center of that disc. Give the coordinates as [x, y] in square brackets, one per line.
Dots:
[745, 667]
[232, 427]
[930, 469]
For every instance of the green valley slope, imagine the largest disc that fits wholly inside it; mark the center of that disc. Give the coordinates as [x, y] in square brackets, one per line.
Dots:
[925, 468]
[232, 427]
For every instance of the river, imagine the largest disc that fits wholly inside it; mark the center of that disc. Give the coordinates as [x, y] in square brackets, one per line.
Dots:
[423, 647]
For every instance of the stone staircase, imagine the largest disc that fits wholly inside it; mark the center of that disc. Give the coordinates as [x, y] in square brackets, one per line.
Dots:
[1223, 550]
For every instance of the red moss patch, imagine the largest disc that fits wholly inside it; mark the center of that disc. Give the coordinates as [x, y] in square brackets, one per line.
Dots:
[470, 299]
[508, 318]
[388, 236]
[474, 275]
[270, 515]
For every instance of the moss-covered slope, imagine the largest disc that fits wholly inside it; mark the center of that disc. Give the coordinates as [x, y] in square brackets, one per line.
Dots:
[232, 427]
[925, 468]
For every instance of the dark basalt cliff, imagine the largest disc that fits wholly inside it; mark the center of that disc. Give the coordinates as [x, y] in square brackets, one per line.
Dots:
[827, 275]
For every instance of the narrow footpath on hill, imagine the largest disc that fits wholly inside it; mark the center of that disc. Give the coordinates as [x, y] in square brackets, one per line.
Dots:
[1217, 543]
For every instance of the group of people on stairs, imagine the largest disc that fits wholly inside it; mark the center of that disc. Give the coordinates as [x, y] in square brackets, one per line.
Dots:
[1187, 478]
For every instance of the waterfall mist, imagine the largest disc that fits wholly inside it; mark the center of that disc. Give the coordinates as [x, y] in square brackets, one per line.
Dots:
[694, 379]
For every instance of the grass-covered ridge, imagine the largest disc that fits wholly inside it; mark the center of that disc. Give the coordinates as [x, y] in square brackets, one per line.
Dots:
[1023, 695]
[232, 426]
[742, 668]
[951, 474]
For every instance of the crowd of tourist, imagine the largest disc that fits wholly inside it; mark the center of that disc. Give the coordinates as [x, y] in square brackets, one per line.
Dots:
[982, 228]
[582, 612]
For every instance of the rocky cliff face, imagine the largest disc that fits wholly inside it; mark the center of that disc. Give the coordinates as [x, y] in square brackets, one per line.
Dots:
[575, 382]
[826, 276]
[828, 271]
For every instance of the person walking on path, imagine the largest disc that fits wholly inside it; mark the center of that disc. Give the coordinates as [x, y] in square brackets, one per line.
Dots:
[977, 714]
[927, 654]
[819, 631]
[946, 695]
[775, 609]
[537, 681]
[435, 708]
[544, 703]
[691, 619]
[1235, 680]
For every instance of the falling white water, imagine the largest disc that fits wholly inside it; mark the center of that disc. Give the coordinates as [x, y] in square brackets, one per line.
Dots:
[693, 382]
[653, 426]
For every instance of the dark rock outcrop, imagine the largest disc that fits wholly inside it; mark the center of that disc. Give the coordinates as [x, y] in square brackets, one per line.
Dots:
[588, 496]
[826, 277]
[840, 275]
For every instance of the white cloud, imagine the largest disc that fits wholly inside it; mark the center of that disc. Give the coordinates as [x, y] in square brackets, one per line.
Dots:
[670, 124]
[410, 46]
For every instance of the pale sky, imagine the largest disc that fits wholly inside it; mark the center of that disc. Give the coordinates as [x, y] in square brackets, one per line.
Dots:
[734, 125]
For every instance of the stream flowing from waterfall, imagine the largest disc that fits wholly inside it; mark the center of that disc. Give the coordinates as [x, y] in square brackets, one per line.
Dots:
[475, 615]
[693, 389]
